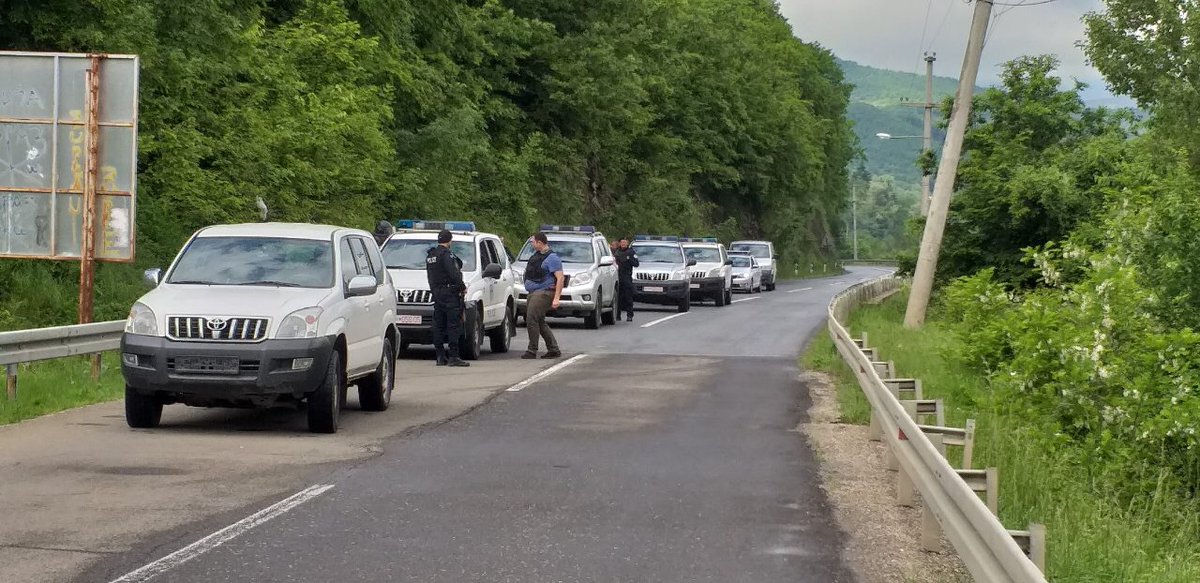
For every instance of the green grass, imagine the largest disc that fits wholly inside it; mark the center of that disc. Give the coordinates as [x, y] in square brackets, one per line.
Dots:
[57, 385]
[1092, 538]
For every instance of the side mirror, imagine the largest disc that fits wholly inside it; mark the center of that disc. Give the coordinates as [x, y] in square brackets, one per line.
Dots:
[728, 262]
[691, 262]
[493, 271]
[775, 256]
[152, 276]
[361, 285]
[607, 261]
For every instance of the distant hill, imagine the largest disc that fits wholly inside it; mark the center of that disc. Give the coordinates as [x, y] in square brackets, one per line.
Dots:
[885, 88]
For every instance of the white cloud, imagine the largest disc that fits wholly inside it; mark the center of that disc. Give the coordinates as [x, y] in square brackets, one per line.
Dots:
[887, 33]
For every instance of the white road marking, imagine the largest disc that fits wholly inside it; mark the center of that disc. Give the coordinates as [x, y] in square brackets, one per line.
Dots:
[222, 536]
[541, 375]
[661, 320]
[746, 299]
[799, 290]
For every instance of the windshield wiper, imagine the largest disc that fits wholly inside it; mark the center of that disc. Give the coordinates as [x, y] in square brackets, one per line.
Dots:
[274, 283]
[190, 282]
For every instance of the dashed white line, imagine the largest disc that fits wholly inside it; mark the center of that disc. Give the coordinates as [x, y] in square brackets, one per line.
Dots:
[746, 299]
[222, 536]
[541, 375]
[799, 290]
[661, 320]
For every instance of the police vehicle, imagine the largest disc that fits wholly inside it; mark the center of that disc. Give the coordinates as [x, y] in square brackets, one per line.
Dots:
[764, 253]
[712, 277]
[747, 274]
[589, 274]
[490, 302]
[664, 276]
[263, 315]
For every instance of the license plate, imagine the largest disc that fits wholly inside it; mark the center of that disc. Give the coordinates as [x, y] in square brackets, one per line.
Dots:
[209, 364]
[653, 289]
[408, 319]
[695, 286]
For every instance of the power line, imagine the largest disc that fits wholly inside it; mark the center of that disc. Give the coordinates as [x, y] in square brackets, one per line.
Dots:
[1023, 3]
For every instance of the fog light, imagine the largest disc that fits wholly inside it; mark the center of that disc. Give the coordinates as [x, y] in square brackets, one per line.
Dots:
[302, 363]
[129, 359]
[587, 297]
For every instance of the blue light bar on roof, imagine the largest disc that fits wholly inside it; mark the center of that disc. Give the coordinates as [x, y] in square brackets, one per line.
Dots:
[668, 238]
[418, 225]
[568, 229]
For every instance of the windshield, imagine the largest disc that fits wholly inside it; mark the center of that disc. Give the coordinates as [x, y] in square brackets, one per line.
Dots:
[759, 250]
[266, 261]
[740, 261]
[568, 251]
[703, 254]
[411, 253]
[659, 254]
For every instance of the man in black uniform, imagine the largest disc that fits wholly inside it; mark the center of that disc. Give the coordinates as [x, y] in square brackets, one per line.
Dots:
[626, 259]
[446, 282]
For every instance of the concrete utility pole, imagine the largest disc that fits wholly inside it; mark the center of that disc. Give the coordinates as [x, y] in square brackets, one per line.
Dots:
[926, 193]
[854, 214]
[931, 241]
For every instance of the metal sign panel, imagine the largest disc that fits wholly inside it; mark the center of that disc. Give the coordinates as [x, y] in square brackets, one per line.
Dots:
[46, 151]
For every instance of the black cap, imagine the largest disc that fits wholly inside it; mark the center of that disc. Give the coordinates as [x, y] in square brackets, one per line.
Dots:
[445, 236]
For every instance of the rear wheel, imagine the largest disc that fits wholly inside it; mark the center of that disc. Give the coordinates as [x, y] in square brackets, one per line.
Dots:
[471, 343]
[501, 338]
[142, 411]
[375, 391]
[729, 296]
[324, 404]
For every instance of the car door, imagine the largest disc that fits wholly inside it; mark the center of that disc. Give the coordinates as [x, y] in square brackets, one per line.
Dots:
[503, 285]
[606, 274]
[366, 344]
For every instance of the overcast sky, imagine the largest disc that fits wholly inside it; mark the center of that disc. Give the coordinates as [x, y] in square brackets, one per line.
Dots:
[887, 34]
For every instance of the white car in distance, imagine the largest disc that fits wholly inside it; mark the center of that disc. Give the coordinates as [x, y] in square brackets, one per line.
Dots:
[747, 273]
[261, 315]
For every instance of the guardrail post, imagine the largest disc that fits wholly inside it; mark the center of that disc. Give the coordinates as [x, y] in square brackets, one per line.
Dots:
[11, 382]
[931, 530]
[904, 489]
[874, 433]
[1032, 543]
[95, 368]
[968, 445]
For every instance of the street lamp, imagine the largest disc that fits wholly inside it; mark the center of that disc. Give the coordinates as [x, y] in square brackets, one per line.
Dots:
[885, 136]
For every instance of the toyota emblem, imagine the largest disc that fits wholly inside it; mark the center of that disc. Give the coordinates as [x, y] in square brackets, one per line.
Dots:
[217, 324]
[406, 295]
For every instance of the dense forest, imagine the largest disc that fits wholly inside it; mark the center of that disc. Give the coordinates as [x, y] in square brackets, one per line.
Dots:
[680, 116]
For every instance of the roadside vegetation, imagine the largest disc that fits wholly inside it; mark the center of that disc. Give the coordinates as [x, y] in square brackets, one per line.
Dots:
[57, 385]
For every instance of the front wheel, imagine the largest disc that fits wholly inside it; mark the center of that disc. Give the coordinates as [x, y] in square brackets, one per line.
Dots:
[609, 318]
[719, 298]
[685, 303]
[592, 320]
[375, 391]
[324, 404]
[501, 338]
[471, 343]
[142, 411]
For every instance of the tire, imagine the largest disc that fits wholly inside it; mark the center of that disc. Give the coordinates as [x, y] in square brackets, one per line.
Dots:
[592, 320]
[609, 318]
[375, 391]
[685, 304]
[324, 404]
[142, 411]
[729, 296]
[501, 337]
[471, 344]
[719, 299]
[404, 344]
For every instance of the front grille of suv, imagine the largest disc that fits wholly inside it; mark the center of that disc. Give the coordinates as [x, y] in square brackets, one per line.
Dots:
[419, 297]
[653, 276]
[211, 329]
[699, 274]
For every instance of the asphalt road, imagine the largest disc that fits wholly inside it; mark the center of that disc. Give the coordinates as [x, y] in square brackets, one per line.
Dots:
[667, 453]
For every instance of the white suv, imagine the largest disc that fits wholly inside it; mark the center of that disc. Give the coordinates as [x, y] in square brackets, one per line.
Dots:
[712, 277]
[590, 275]
[260, 315]
[764, 253]
[491, 306]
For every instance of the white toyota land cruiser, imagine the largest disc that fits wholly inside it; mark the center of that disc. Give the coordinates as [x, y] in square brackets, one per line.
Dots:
[712, 278]
[491, 306]
[589, 275]
[264, 314]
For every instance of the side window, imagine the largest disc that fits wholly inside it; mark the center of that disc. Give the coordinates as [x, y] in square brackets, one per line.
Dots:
[346, 258]
[362, 262]
[493, 254]
[376, 261]
[485, 258]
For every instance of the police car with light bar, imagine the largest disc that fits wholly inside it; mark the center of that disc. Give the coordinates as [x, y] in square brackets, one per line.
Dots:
[590, 289]
[490, 302]
[664, 276]
[712, 277]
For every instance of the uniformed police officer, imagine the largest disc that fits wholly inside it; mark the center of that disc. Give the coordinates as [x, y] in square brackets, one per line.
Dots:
[626, 259]
[444, 270]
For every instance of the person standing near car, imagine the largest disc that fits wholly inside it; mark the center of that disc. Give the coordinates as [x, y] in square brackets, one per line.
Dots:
[444, 271]
[626, 259]
[544, 283]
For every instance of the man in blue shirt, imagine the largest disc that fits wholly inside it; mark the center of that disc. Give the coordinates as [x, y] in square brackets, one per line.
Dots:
[544, 282]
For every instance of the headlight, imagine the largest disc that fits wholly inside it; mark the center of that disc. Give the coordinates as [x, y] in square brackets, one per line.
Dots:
[681, 274]
[581, 278]
[141, 321]
[300, 324]
[715, 273]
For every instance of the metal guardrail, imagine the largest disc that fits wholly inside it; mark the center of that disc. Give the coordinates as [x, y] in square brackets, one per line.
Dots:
[989, 551]
[23, 346]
